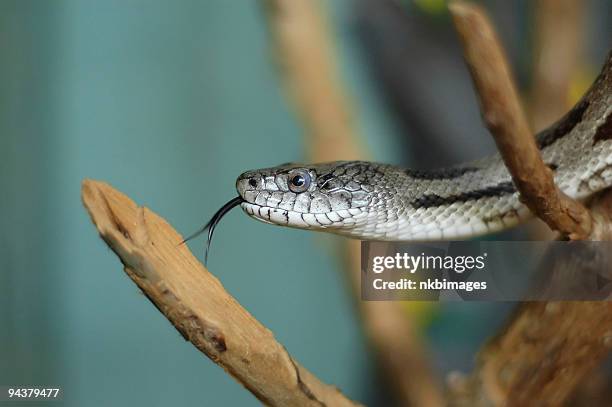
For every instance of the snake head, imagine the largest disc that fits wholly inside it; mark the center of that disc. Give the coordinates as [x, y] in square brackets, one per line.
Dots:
[319, 196]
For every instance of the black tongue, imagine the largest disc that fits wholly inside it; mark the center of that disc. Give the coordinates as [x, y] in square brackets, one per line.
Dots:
[212, 224]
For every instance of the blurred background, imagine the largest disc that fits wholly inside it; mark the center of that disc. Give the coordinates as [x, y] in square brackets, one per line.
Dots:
[169, 102]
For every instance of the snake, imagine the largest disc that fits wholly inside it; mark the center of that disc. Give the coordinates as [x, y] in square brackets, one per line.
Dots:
[375, 201]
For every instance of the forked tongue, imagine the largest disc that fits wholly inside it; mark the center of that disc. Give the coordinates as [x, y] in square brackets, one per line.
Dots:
[212, 224]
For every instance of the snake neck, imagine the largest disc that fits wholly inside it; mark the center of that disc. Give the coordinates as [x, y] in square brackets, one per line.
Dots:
[479, 197]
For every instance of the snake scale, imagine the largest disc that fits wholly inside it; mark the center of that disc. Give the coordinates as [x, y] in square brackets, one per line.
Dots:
[372, 201]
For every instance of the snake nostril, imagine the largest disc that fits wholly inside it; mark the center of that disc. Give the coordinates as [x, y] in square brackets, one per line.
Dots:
[253, 182]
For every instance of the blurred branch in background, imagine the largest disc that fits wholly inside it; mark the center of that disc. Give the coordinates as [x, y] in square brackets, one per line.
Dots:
[198, 306]
[558, 53]
[547, 348]
[305, 54]
[303, 47]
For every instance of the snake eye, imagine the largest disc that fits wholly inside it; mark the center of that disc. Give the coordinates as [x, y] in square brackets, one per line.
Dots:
[299, 181]
[253, 182]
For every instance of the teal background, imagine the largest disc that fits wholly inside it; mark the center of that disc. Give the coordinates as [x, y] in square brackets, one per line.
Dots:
[169, 102]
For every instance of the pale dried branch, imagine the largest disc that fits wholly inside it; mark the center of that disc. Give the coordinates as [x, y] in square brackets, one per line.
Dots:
[303, 47]
[504, 116]
[198, 306]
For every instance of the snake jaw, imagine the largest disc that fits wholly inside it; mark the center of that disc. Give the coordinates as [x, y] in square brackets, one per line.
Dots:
[254, 211]
[333, 221]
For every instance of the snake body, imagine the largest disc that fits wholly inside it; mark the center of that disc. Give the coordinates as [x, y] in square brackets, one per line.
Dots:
[373, 201]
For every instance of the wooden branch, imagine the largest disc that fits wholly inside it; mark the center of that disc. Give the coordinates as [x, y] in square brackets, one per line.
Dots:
[546, 349]
[506, 120]
[198, 306]
[303, 47]
[541, 356]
